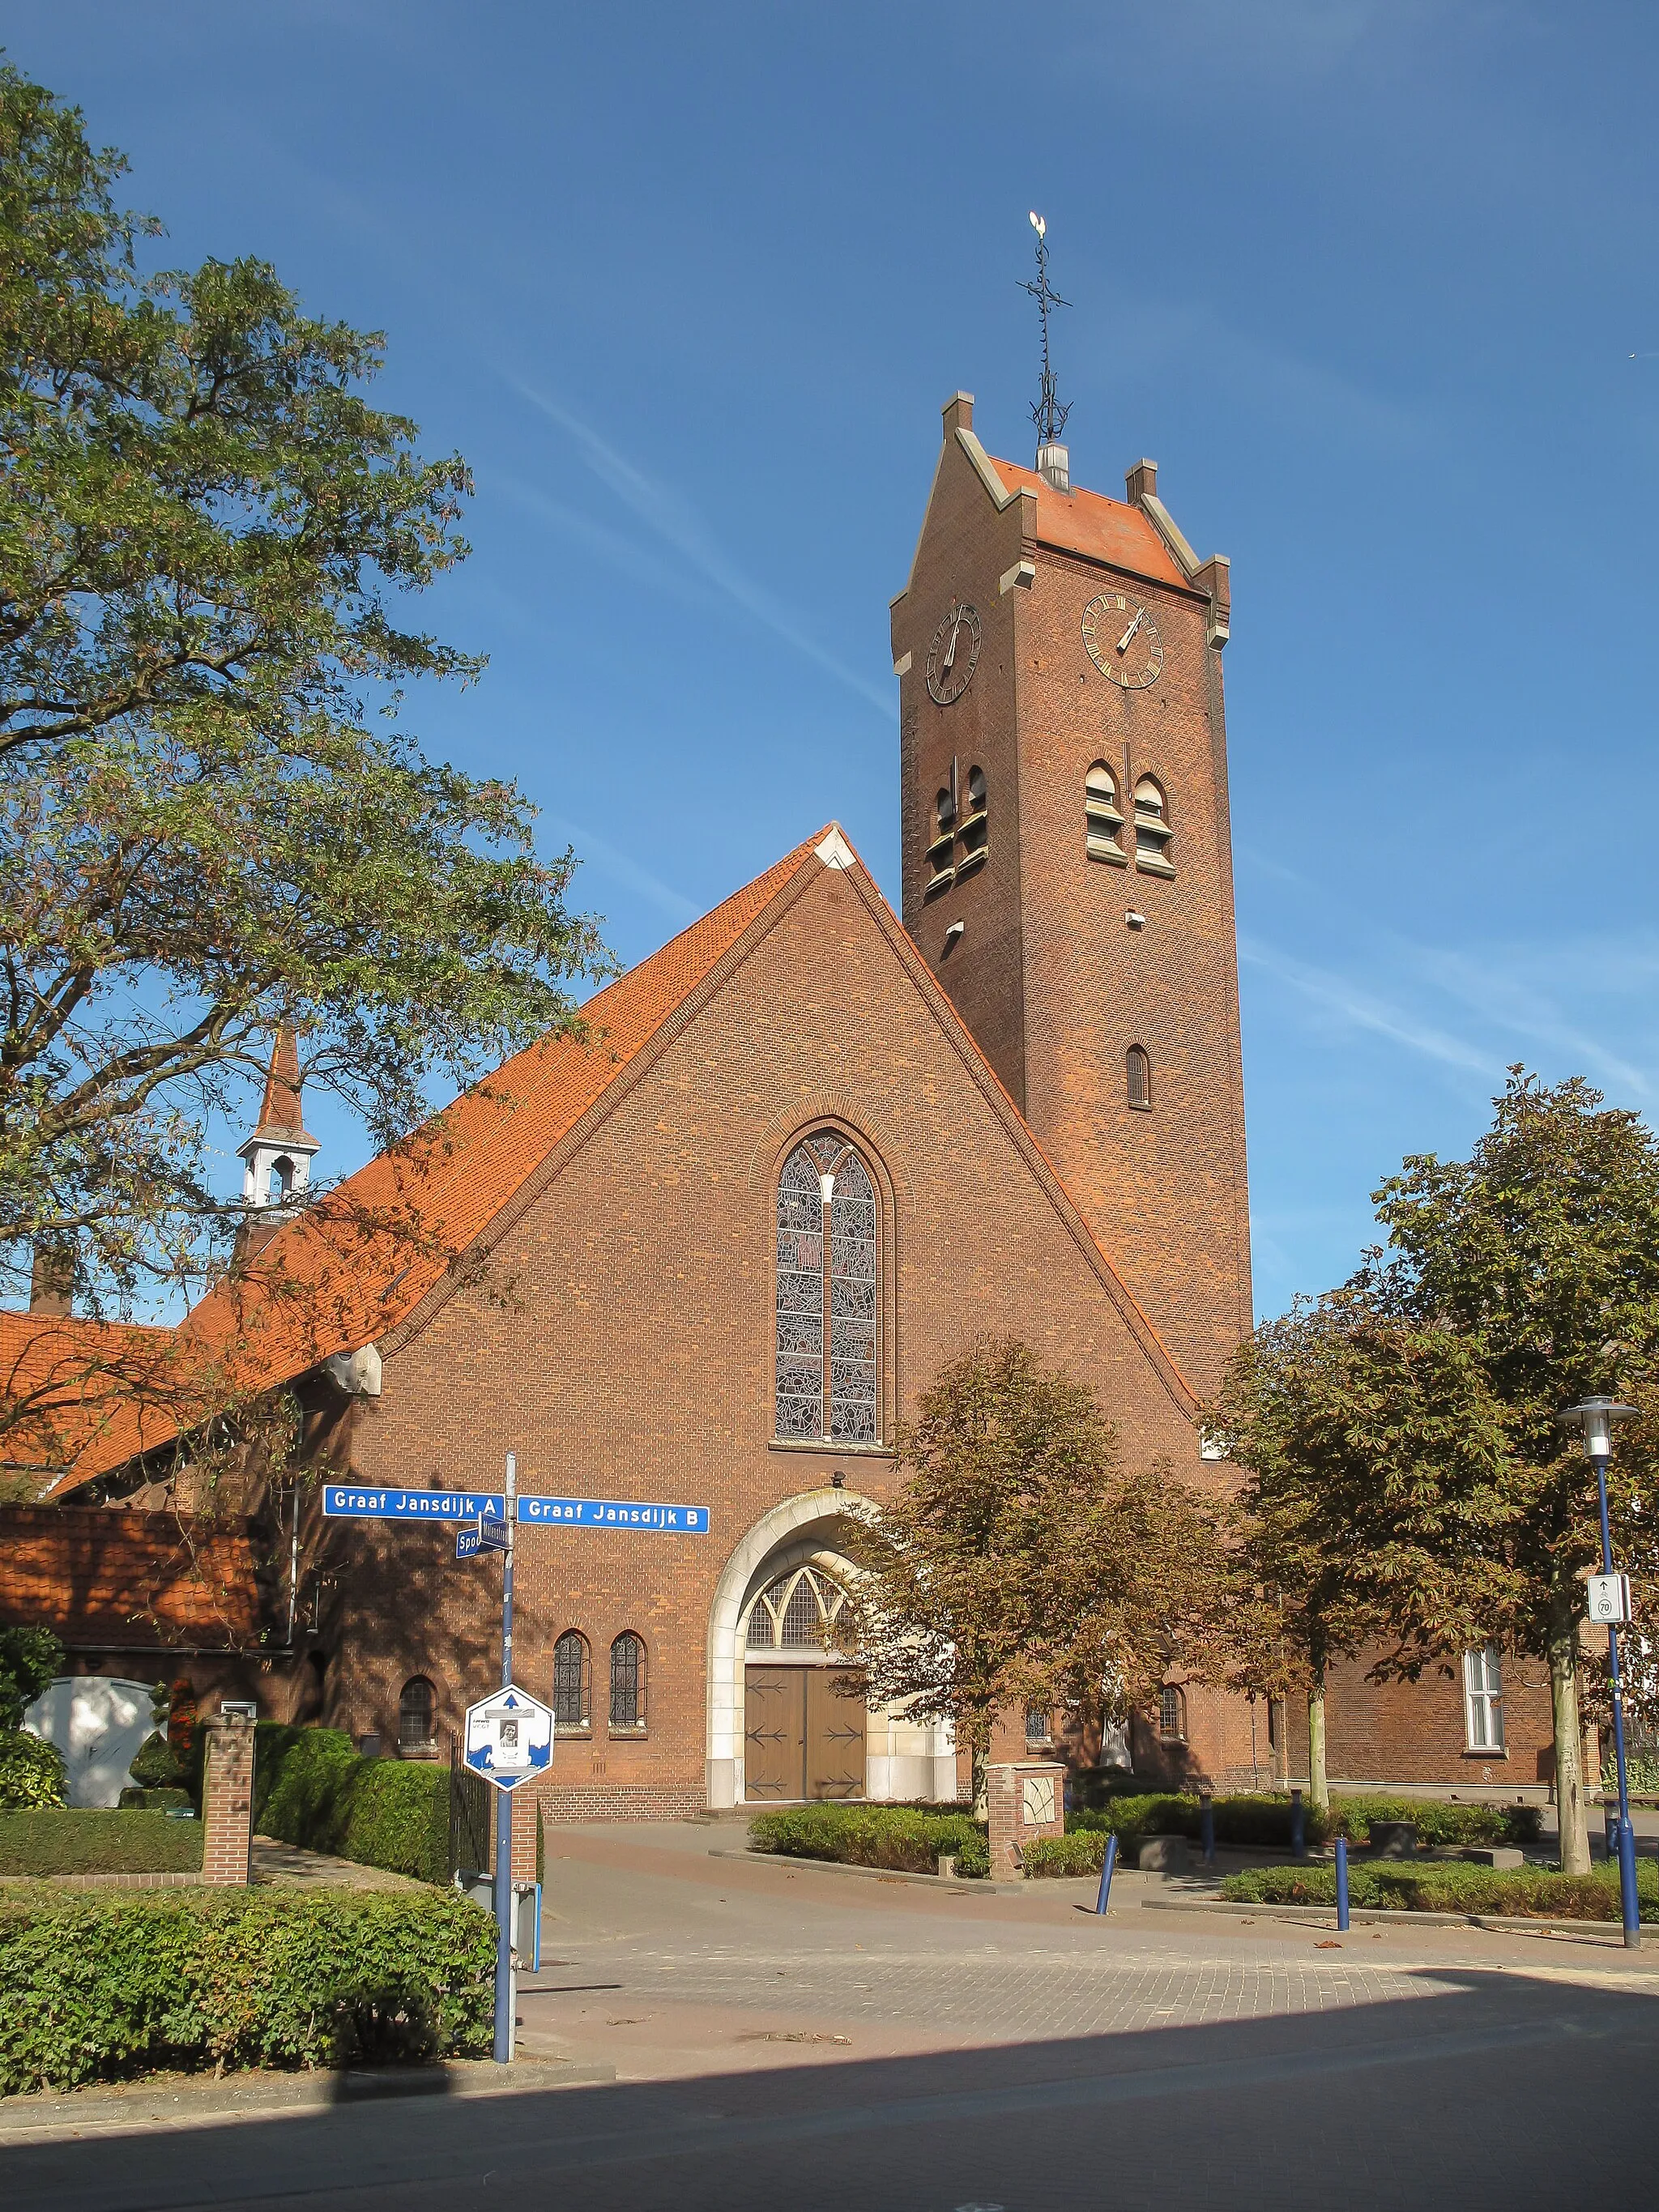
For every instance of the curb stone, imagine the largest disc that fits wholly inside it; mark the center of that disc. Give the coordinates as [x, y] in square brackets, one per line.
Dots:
[201, 2101]
[1500, 1923]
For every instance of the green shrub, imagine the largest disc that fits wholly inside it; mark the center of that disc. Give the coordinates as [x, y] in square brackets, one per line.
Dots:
[156, 1765]
[1529, 1893]
[1641, 1774]
[31, 1771]
[1439, 1822]
[1261, 1822]
[78, 1840]
[98, 1989]
[1080, 1851]
[903, 1837]
[312, 1788]
[153, 1800]
[973, 1857]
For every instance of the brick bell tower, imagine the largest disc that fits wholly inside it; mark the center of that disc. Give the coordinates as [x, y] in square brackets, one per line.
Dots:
[1068, 858]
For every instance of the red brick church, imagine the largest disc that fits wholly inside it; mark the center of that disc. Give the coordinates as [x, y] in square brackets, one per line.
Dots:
[804, 1156]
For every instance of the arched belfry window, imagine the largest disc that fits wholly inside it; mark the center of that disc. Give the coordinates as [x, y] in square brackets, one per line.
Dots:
[1153, 835]
[826, 1294]
[1138, 1073]
[1102, 819]
[975, 831]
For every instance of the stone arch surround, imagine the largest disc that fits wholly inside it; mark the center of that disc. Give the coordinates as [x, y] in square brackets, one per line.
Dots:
[901, 1760]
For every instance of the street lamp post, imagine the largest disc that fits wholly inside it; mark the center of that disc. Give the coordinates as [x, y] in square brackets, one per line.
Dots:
[1594, 1418]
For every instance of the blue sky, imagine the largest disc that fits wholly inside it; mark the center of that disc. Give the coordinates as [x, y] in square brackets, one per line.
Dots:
[688, 288]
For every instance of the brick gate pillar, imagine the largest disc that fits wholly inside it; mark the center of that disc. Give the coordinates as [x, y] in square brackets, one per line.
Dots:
[227, 1800]
[1025, 1798]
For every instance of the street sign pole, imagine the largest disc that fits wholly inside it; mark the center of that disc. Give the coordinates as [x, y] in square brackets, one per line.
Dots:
[507, 1995]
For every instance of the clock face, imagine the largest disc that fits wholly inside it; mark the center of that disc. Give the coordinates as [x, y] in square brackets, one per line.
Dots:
[952, 654]
[1122, 640]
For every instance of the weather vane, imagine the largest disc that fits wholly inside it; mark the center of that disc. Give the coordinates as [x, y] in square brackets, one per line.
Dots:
[1047, 412]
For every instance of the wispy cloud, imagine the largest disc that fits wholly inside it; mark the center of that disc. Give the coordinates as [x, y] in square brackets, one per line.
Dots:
[671, 518]
[1362, 1010]
[609, 861]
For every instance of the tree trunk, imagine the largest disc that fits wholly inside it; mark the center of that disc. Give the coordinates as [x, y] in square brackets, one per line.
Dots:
[1571, 1810]
[1319, 1788]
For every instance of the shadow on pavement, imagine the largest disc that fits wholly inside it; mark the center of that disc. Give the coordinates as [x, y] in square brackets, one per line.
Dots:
[1505, 2092]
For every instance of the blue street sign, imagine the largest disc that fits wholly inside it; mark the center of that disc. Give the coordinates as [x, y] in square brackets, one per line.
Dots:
[492, 1536]
[351, 1501]
[611, 1513]
[467, 1543]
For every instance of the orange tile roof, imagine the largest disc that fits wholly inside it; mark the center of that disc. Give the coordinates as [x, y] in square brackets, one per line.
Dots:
[1089, 523]
[360, 1258]
[66, 1381]
[98, 1578]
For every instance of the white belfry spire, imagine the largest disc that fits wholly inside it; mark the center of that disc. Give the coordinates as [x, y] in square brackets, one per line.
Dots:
[277, 1159]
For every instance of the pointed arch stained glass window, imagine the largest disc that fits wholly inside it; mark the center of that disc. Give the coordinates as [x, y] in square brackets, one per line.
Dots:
[826, 1294]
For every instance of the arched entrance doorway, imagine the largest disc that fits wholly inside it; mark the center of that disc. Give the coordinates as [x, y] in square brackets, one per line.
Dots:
[785, 1576]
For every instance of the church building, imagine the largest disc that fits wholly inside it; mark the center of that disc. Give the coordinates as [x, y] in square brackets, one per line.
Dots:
[807, 1153]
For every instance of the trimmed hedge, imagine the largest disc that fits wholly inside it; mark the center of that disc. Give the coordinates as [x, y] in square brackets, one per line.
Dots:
[1529, 1893]
[312, 1788]
[99, 1989]
[1083, 1851]
[77, 1840]
[905, 1838]
[1261, 1822]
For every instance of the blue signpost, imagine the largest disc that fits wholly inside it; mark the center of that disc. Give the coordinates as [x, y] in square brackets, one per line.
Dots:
[509, 1735]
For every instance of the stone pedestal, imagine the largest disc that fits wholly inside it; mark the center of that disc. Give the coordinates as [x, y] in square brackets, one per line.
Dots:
[1394, 1839]
[1025, 1798]
[1166, 1854]
[227, 1800]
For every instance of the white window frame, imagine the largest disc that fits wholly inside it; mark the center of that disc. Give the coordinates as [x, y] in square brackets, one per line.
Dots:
[1483, 1700]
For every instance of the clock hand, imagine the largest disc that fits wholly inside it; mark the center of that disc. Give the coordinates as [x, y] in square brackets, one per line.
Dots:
[951, 654]
[1123, 642]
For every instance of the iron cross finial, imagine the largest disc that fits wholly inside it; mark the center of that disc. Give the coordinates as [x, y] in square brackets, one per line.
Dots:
[1047, 412]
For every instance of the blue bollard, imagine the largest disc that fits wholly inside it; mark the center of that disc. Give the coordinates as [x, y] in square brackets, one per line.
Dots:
[1631, 1909]
[1206, 1825]
[1298, 1826]
[1106, 1866]
[1342, 1882]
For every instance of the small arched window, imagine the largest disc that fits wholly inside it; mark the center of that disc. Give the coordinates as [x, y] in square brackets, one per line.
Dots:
[416, 1715]
[1154, 834]
[627, 1681]
[1102, 819]
[825, 1369]
[975, 831]
[1138, 1072]
[1172, 1713]
[571, 1682]
[281, 1179]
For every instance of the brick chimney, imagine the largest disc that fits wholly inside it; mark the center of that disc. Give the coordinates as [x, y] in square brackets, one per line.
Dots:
[51, 1281]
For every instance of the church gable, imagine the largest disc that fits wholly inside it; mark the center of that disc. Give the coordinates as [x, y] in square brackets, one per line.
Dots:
[635, 1299]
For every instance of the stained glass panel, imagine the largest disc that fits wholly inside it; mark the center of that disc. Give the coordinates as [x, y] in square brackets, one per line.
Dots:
[806, 1272]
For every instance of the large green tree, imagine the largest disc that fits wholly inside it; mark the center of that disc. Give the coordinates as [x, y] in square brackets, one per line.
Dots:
[212, 818]
[1018, 1562]
[1402, 1440]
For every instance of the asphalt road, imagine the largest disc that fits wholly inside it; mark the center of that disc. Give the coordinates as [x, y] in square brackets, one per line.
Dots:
[793, 2038]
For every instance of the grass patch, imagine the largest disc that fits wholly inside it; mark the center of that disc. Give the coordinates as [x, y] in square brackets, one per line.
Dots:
[74, 1840]
[102, 1988]
[907, 1839]
[1527, 1893]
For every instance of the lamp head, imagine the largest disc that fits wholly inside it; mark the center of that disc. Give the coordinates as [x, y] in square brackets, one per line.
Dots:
[1038, 224]
[1594, 1418]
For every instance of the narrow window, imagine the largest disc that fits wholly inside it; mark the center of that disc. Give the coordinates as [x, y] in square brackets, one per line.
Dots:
[1038, 1728]
[1153, 835]
[416, 1709]
[1483, 1700]
[1138, 1077]
[1272, 1723]
[627, 1681]
[1102, 820]
[941, 853]
[1172, 1713]
[281, 1179]
[825, 1373]
[572, 1679]
[976, 824]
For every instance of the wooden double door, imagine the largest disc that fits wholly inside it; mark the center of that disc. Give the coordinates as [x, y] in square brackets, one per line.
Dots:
[802, 1736]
